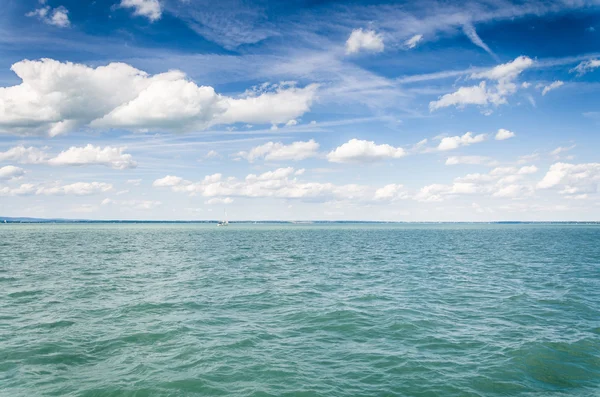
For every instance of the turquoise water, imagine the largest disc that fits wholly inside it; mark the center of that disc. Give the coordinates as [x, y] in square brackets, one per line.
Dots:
[299, 310]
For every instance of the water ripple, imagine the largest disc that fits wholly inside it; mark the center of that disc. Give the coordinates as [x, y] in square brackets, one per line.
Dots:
[404, 310]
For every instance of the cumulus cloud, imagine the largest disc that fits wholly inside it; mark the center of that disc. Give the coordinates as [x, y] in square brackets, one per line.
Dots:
[167, 181]
[74, 156]
[504, 170]
[280, 183]
[503, 75]
[529, 169]
[11, 172]
[58, 16]
[413, 41]
[503, 134]
[22, 190]
[361, 151]
[586, 66]
[391, 192]
[552, 86]
[277, 151]
[506, 71]
[475, 95]
[575, 178]
[501, 182]
[24, 155]
[150, 9]
[364, 40]
[55, 98]
[94, 155]
[454, 142]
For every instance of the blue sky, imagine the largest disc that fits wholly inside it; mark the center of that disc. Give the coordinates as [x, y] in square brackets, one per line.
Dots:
[300, 110]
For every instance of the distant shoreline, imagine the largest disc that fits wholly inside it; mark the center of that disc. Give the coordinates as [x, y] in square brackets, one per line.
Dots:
[12, 220]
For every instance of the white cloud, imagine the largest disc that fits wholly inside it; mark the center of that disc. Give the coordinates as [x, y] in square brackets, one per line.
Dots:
[366, 40]
[561, 149]
[453, 142]
[133, 204]
[291, 123]
[23, 155]
[531, 169]
[56, 98]
[504, 171]
[552, 86]
[10, 172]
[439, 192]
[413, 41]
[167, 181]
[501, 182]
[211, 154]
[361, 151]
[75, 156]
[506, 71]
[482, 95]
[391, 192]
[278, 184]
[278, 105]
[150, 9]
[576, 177]
[472, 160]
[58, 16]
[475, 95]
[217, 200]
[476, 178]
[475, 39]
[277, 151]
[586, 66]
[56, 189]
[503, 134]
[134, 182]
[23, 190]
[95, 155]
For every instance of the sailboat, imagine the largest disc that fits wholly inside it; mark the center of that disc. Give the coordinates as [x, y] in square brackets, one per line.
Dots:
[223, 222]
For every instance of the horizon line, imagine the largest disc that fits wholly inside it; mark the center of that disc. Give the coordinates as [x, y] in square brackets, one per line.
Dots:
[72, 220]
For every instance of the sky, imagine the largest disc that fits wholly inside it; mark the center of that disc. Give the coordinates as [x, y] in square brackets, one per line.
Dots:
[300, 110]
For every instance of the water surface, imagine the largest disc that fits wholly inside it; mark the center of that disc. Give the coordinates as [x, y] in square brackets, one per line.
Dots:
[299, 310]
